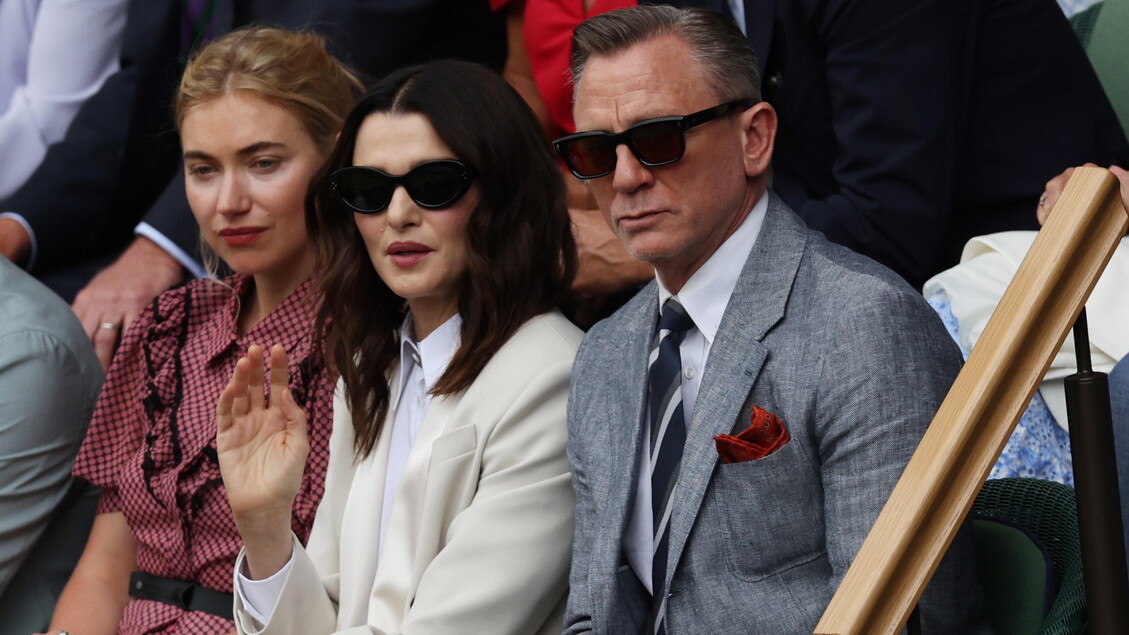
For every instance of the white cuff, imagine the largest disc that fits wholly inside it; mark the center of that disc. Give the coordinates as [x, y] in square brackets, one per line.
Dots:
[259, 597]
[189, 263]
[30, 232]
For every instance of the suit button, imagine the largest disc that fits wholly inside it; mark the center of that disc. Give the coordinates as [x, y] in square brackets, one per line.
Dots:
[775, 81]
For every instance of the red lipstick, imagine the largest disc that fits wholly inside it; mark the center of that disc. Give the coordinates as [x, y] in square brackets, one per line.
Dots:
[407, 253]
[240, 236]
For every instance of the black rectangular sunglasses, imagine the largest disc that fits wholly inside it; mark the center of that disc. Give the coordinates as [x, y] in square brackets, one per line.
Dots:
[655, 142]
[431, 185]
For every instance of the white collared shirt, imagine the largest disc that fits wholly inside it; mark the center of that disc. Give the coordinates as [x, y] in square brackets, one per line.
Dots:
[421, 365]
[704, 296]
[54, 55]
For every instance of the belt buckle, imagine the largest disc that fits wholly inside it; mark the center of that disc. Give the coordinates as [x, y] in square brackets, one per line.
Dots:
[184, 596]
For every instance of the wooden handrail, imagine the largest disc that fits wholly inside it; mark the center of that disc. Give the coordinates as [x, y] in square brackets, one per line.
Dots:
[976, 418]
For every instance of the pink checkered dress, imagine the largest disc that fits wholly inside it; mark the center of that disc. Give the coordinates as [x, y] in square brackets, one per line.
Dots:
[151, 444]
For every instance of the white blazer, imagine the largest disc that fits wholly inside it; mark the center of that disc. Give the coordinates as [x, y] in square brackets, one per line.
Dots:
[480, 534]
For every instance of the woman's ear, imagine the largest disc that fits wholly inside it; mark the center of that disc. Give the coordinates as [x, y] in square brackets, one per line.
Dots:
[759, 127]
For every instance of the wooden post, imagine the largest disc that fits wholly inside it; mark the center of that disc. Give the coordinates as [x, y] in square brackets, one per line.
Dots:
[976, 418]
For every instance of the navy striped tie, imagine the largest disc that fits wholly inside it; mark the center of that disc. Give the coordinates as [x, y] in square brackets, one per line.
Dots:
[668, 436]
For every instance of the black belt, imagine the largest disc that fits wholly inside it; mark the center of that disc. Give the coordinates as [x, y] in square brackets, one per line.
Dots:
[187, 595]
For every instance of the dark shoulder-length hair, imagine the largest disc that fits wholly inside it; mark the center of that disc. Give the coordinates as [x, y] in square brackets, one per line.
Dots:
[522, 256]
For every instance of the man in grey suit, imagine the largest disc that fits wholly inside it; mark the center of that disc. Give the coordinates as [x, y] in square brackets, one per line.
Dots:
[49, 382]
[730, 456]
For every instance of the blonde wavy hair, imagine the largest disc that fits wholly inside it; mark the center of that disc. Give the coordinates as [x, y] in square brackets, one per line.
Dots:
[292, 70]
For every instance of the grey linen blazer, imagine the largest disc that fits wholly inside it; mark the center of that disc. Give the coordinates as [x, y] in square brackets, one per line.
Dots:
[854, 363]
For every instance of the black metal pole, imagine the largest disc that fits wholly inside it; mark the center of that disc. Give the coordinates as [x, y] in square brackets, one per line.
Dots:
[1095, 483]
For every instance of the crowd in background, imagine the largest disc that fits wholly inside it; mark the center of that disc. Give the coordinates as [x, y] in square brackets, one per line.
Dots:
[904, 132]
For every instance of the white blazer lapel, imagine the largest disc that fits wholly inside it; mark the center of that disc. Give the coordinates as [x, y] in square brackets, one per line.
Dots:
[394, 588]
[360, 540]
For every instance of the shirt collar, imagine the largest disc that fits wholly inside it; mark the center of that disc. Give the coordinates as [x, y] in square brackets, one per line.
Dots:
[433, 354]
[706, 294]
[282, 326]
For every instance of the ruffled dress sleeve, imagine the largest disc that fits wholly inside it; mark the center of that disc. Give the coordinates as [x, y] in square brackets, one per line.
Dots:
[133, 392]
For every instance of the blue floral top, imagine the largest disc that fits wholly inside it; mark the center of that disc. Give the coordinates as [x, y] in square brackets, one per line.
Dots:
[1039, 447]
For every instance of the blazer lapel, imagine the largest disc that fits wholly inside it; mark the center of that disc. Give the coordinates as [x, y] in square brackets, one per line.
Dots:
[626, 411]
[735, 361]
[366, 483]
[396, 565]
[628, 438]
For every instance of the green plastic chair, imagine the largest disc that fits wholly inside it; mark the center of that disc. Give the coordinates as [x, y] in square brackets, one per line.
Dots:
[1029, 557]
[1083, 23]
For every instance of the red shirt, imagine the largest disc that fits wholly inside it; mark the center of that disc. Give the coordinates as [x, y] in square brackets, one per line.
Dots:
[151, 444]
[548, 26]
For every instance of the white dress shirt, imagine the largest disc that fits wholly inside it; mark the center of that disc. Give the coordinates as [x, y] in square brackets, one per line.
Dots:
[164, 242]
[704, 296]
[53, 55]
[421, 365]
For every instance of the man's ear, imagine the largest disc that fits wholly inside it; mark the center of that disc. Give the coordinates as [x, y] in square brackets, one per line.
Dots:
[759, 127]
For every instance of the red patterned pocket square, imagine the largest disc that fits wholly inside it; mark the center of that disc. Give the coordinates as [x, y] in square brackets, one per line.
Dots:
[766, 435]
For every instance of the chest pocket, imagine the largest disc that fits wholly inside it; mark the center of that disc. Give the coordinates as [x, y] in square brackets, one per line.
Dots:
[452, 444]
[773, 511]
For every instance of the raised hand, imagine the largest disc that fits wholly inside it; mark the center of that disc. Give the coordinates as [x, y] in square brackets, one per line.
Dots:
[262, 446]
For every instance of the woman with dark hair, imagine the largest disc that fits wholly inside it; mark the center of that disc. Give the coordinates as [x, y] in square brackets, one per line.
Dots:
[443, 236]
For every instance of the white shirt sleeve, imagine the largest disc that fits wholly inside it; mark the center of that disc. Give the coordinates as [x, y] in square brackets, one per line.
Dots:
[259, 597]
[162, 241]
[53, 55]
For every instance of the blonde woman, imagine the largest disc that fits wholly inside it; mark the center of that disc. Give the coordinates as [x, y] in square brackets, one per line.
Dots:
[258, 112]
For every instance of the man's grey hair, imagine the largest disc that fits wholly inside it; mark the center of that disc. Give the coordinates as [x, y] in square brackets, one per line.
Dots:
[717, 45]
